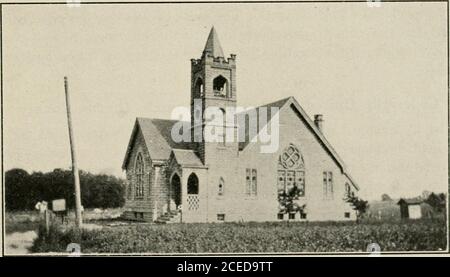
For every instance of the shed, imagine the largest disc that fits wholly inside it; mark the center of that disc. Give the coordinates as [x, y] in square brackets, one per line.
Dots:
[414, 208]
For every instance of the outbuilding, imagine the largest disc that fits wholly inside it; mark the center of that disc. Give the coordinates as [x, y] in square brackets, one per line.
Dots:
[414, 208]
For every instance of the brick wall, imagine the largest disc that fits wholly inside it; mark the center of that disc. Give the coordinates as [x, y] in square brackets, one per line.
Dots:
[139, 209]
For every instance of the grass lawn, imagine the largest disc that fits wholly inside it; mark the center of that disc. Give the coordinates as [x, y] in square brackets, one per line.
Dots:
[23, 221]
[412, 235]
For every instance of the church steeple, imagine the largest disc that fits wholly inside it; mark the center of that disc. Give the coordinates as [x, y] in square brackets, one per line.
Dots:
[213, 75]
[212, 46]
[213, 85]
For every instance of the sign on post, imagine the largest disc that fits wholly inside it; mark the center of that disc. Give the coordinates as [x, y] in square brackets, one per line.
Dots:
[42, 207]
[59, 208]
[59, 205]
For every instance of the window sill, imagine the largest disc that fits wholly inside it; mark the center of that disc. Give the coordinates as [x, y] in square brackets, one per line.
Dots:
[225, 98]
[221, 94]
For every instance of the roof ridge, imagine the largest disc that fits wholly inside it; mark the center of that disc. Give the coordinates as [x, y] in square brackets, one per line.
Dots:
[157, 118]
[151, 118]
[268, 104]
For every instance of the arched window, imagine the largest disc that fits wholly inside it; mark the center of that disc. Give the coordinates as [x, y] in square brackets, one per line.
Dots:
[139, 171]
[221, 189]
[129, 187]
[347, 190]
[192, 186]
[291, 171]
[223, 130]
[198, 88]
[220, 86]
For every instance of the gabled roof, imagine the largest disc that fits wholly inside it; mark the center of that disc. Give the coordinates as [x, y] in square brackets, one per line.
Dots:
[411, 201]
[157, 137]
[186, 158]
[241, 118]
[291, 102]
[213, 45]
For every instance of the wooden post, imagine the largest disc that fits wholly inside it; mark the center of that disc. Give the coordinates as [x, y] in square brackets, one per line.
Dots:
[47, 221]
[79, 220]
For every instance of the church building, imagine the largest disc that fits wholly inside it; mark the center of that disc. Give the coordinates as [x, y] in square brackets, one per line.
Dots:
[169, 180]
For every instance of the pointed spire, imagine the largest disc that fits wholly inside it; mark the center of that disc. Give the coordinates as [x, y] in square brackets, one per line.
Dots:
[213, 45]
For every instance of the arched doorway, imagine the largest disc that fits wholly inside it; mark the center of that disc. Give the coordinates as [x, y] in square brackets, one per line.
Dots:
[175, 191]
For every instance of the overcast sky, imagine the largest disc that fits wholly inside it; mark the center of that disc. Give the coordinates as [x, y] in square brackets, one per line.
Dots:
[378, 75]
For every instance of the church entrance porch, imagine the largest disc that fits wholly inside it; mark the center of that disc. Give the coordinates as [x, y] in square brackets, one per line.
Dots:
[184, 203]
[186, 196]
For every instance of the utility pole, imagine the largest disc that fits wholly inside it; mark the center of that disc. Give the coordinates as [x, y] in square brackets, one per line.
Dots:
[76, 177]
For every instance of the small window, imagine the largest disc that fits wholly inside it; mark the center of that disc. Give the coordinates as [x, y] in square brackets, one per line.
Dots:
[254, 183]
[328, 185]
[347, 215]
[221, 217]
[247, 181]
[251, 182]
[347, 190]
[222, 133]
[129, 187]
[280, 216]
[221, 191]
[291, 216]
[303, 216]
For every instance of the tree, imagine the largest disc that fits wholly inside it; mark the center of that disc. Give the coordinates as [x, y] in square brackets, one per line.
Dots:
[425, 194]
[288, 201]
[358, 204]
[23, 190]
[436, 201]
[16, 189]
[385, 197]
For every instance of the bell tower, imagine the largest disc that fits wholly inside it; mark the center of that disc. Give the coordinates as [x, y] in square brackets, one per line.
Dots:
[213, 86]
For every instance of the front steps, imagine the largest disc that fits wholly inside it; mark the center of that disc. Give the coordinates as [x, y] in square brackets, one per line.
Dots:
[169, 217]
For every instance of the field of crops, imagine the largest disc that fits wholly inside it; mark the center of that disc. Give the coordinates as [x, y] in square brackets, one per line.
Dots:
[419, 235]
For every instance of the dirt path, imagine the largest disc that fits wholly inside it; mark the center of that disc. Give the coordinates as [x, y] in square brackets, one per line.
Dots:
[18, 243]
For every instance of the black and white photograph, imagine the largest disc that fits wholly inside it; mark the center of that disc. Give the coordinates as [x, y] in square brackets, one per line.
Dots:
[224, 128]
